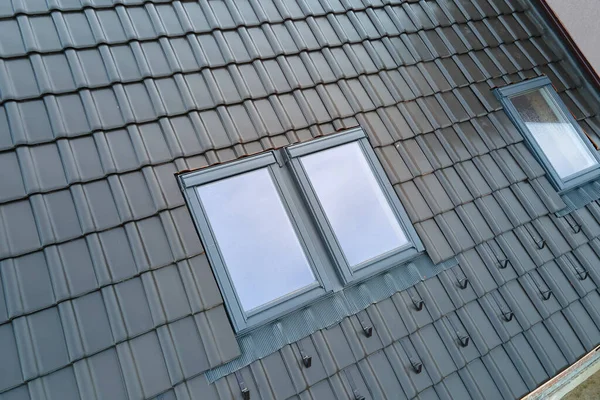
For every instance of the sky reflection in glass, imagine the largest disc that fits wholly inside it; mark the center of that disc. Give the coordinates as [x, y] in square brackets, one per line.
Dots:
[553, 132]
[356, 208]
[255, 236]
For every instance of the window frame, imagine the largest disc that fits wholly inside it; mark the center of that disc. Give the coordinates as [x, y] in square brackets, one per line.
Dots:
[324, 254]
[383, 261]
[505, 94]
[240, 318]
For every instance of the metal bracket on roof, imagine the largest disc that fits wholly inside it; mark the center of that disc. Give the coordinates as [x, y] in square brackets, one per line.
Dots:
[546, 294]
[573, 224]
[463, 281]
[508, 315]
[541, 242]
[463, 340]
[582, 274]
[355, 392]
[306, 359]
[367, 329]
[243, 388]
[545, 291]
[502, 261]
[418, 303]
[417, 365]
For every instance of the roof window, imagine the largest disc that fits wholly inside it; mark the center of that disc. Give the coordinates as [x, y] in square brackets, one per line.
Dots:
[288, 226]
[552, 133]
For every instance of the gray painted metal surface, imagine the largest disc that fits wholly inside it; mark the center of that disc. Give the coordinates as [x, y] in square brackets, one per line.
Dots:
[105, 290]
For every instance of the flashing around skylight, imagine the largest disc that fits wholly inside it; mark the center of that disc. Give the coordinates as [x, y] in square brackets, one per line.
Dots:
[286, 227]
[551, 132]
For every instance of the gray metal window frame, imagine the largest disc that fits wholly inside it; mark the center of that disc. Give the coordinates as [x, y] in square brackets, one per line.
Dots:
[504, 95]
[382, 262]
[326, 259]
[241, 319]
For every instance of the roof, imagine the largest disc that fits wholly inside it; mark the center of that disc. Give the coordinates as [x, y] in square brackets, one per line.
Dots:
[105, 290]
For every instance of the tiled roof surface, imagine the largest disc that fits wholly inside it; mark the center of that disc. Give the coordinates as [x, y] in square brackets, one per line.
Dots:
[105, 290]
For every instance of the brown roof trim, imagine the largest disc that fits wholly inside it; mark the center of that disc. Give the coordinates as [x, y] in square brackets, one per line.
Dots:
[560, 29]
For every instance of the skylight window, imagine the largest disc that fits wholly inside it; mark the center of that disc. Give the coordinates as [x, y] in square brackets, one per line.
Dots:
[355, 206]
[552, 132]
[256, 238]
[283, 228]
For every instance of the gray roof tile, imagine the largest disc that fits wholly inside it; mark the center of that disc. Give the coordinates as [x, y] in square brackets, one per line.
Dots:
[582, 324]
[45, 171]
[525, 359]
[41, 341]
[546, 349]
[413, 202]
[505, 374]
[134, 307]
[20, 234]
[478, 327]
[9, 365]
[433, 239]
[27, 283]
[142, 358]
[455, 231]
[453, 144]
[10, 173]
[189, 347]
[280, 382]
[565, 337]
[482, 380]
[454, 186]
[87, 326]
[378, 374]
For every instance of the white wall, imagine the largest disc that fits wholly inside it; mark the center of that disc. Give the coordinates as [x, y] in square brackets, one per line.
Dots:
[582, 20]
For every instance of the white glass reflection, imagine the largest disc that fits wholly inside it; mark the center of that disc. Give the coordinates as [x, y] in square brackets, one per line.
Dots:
[360, 215]
[255, 236]
[553, 132]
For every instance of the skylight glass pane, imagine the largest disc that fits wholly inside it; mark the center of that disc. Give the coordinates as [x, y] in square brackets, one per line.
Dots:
[255, 236]
[354, 203]
[553, 132]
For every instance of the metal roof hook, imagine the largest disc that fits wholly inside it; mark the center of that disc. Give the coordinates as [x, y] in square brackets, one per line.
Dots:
[546, 294]
[243, 388]
[418, 303]
[502, 264]
[583, 275]
[366, 328]
[306, 359]
[357, 395]
[417, 366]
[508, 315]
[463, 283]
[463, 340]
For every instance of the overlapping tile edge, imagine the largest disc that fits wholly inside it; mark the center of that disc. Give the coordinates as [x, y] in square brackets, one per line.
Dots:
[468, 182]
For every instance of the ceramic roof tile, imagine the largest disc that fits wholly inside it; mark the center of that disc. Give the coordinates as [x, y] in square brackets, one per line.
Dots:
[436, 245]
[92, 331]
[9, 365]
[101, 374]
[546, 349]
